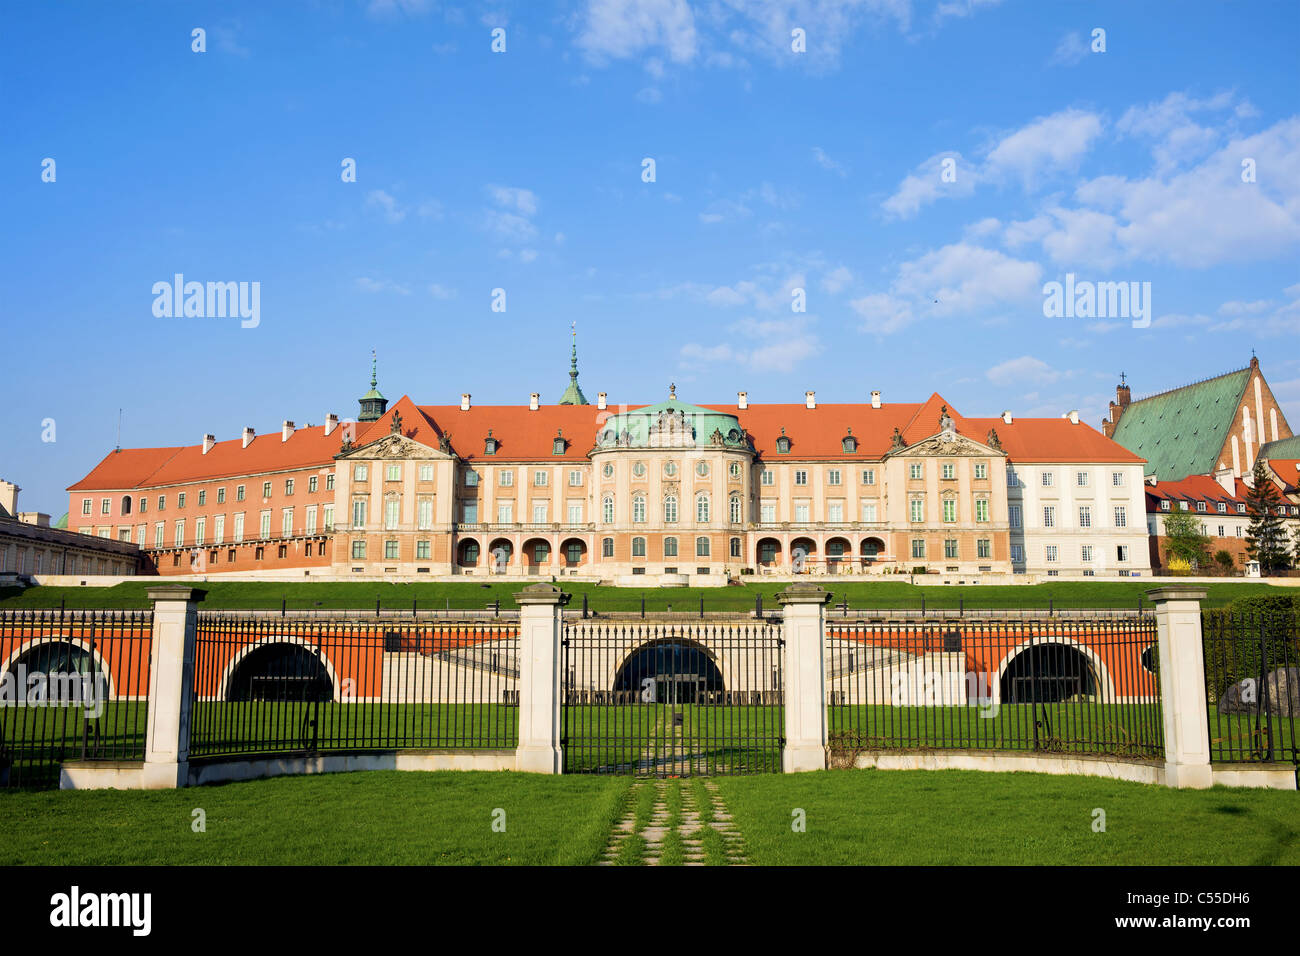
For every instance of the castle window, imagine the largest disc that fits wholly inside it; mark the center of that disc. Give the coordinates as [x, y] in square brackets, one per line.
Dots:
[557, 446]
[849, 444]
[783, 444]
[489, 444]
[607, 547]
[670, 547]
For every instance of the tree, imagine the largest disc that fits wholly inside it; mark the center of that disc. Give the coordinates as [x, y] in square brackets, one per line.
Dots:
[1265, 538]
[1223, 559]
[1184, 538]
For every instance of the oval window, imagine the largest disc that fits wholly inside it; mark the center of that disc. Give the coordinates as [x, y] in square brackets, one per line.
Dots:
[609, 470]
[702, 469]
[638, 469]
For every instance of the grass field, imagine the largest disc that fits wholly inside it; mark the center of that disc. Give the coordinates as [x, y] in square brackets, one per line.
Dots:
[962, 817]
[378, 817]
[468, 595]
[947, 817]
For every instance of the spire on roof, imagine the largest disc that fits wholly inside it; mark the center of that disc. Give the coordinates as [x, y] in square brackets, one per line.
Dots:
[373, 404]
[573, 394]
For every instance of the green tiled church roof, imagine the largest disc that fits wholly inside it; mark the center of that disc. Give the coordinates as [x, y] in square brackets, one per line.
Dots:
[1181, 432]
[1285, 448]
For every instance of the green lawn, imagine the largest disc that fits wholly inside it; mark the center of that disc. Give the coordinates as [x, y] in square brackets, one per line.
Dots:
[1132, 730]
[710, 739]
[474, 595]
[962, 817]
[380, 817]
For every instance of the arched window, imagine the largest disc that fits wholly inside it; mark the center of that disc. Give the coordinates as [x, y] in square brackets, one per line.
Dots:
[638, 547]
[607, 548]
[638, 508]
[469, 553]
[670, 547]
[670, 509]
[736, 515]
[701, 547]
[702, 507]
[607, 509]
[126, 504]
[541, 552]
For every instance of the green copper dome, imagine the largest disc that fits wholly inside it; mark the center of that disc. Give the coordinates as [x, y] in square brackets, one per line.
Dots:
[672, 424]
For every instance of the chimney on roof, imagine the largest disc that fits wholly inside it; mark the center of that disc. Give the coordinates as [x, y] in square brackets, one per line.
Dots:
[875, 398]
[248, 437]
[602, 400]
[8, 498]
[286, 430]
[1073, 416]
[331, 422]
[464, 401]
[532, 401]
[742, 400]
[1006, 416]
[208, 442]
[810, 399]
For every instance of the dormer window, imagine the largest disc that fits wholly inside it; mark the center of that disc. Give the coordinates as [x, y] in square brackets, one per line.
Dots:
[1164, 505]
[489, 444]
[783, 444]
[557, 447]
[849, 443]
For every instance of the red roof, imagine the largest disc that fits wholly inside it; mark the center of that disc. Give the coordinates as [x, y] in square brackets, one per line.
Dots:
[151, 467]
[1193, 488]
[1286, 469]
[525, 434]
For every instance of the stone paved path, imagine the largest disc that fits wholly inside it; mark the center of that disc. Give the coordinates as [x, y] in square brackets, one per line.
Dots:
[697, 826]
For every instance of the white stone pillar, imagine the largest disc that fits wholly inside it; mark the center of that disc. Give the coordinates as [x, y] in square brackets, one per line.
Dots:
[804, 676]
[541, 627]
[171, 675]
[1182, 686]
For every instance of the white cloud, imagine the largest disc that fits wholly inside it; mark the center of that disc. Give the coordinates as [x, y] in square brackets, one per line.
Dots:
[617, 29]
[957, 279]
[837, 280]
[1021, 371]
[926, 184]
[825, 162]
[510, 197]
[1071, 50]
[1043, 147]
[441, 292]
[367, 284]
[770, 345]
[386, 204]
[1049, 143]
[509, 227]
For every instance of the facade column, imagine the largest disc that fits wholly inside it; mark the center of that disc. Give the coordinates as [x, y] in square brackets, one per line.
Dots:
[171, 677]
[804, 679]
[541, 627]
[1182, 686]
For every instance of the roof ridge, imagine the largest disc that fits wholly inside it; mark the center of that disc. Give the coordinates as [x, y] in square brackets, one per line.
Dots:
[1179, 388]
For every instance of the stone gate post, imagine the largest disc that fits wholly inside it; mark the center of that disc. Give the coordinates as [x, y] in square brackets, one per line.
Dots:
[171, 675]
[804, 676]
[541, 627]
[1182, 686]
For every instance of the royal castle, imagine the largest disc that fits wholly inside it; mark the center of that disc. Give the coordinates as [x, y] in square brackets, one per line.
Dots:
[670, 491]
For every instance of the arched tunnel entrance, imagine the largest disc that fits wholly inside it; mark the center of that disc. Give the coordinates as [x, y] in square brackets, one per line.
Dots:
[1047, 674]
[669, 672]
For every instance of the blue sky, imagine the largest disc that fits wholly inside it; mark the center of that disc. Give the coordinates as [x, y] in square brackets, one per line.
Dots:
[522, 171]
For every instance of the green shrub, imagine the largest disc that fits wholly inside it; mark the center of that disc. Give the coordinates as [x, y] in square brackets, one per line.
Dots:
[1249, 638]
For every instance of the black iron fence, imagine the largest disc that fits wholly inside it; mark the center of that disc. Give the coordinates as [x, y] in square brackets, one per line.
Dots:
[74, 685]
[669, 699]
[1252, 684]
[307, 684]
[1045, 685]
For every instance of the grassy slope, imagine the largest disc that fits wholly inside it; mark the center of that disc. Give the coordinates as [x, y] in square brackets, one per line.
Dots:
[860, 594]
[350, 818]
[968, 817]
